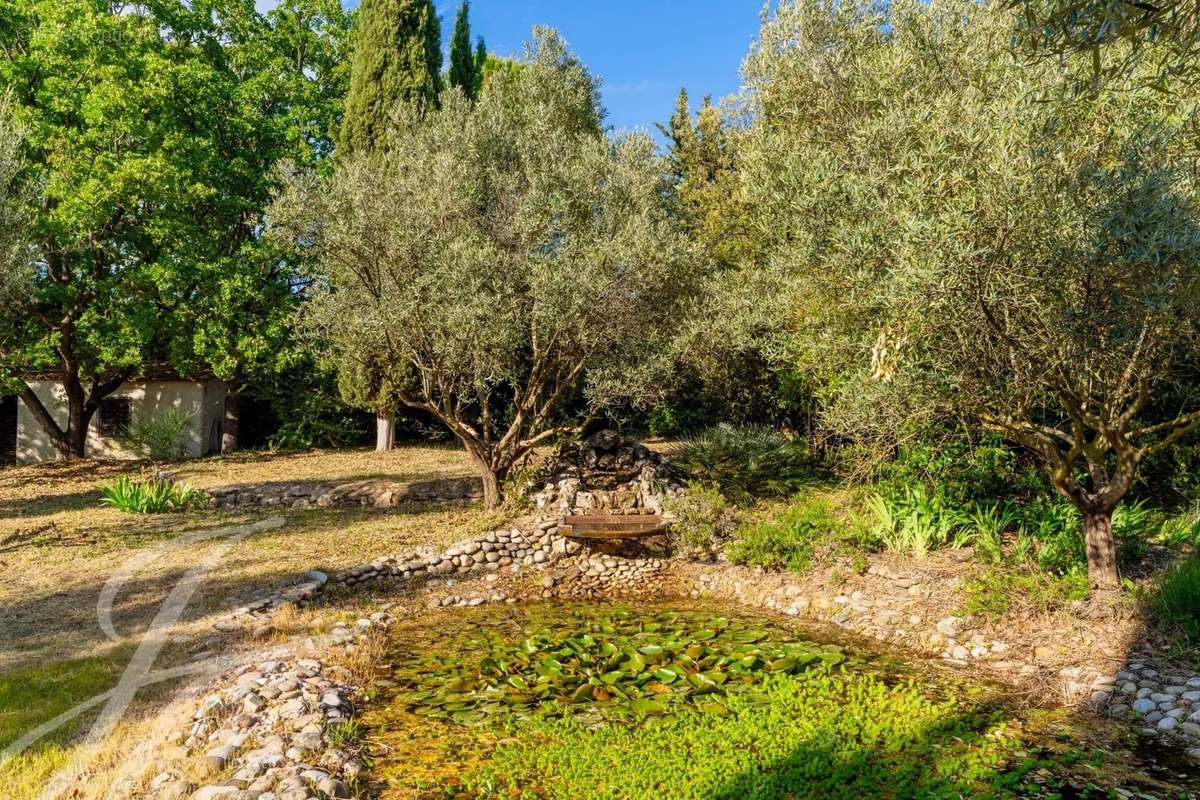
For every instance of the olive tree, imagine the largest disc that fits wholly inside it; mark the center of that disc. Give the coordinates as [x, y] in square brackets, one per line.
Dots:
[965, 244]
[499, 258]
[1158, 41]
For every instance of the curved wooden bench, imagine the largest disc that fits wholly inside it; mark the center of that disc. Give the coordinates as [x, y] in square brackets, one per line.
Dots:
[612, 526]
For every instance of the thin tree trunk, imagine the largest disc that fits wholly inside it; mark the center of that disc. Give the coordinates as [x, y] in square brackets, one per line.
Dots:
[385, 431]
[231, 423]
[1101, 549]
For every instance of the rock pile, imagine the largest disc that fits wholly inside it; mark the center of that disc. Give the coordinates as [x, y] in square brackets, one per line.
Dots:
[605, 473]
[266, 734]
[380, 494]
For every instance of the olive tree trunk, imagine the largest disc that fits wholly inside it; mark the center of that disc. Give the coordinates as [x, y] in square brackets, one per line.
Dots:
[493, 493]
[1101, 548]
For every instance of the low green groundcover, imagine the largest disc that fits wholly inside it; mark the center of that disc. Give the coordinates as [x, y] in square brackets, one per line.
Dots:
[576, 703]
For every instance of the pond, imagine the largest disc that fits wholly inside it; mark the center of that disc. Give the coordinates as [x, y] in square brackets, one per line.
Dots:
[686, 701]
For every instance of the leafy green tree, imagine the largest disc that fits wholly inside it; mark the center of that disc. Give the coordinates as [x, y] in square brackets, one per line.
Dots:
[292, 75]
[466, 66]
[501, 258]
[725, 345]
[146, 252]
[16, 249]
[708, 187]
[966, 245]
[397, 59]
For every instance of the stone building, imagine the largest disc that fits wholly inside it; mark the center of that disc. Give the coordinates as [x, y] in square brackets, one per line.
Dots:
[23, 441]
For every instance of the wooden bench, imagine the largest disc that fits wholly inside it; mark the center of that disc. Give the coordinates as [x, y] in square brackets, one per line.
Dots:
[612, 526]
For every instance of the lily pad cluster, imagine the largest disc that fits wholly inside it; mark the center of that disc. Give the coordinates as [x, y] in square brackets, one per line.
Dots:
[619, 666]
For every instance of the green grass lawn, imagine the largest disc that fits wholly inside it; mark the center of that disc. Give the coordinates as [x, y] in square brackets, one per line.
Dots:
[32, 695]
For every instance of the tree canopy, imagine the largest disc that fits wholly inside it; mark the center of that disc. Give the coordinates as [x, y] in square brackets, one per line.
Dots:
[964, 245]
[499, 258]
[133, 243]
[466, 65]
[1159, 41]
[397, 59]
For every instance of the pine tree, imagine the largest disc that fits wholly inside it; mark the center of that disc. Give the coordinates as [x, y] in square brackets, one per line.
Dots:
[397, 58]
[709, 195]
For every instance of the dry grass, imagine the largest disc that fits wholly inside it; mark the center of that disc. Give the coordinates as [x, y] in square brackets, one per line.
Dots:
[58, 545]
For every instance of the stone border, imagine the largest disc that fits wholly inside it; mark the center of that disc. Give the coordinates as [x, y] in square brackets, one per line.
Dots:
[270, 722]
[617, 571]
[379, 494]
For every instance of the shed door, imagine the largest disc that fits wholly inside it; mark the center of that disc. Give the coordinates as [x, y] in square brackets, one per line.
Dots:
[8, 430]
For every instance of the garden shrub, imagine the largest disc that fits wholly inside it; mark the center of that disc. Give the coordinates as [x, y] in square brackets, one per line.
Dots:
[746, 462]
[1055, 529]
[1172, 474]
[704, 520]
[963, 470]
[151, 497]
[1176, 597]
[162, 436]
[785, 540]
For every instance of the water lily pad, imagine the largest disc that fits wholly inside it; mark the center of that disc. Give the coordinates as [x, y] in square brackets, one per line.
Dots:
[643, 706]
[600, 669]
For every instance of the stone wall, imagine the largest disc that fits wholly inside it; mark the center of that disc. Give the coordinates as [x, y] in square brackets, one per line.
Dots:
[527, 543]
[380, 494]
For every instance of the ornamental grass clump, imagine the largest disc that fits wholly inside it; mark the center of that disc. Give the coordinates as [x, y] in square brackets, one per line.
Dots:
[1177, 597]
[151, 497]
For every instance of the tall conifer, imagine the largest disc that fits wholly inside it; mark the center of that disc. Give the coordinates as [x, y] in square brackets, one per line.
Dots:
[466, 67]
[397, 58]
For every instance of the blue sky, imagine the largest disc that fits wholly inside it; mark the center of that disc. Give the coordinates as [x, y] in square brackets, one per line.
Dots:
[645, 50]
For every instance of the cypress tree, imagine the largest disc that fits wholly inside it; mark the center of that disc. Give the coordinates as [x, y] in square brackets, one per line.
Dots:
[466, 67]
[397, 58]
[462, 61]
[481, 57]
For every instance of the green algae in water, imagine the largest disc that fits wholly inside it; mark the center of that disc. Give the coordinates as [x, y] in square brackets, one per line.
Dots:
[615, 665]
